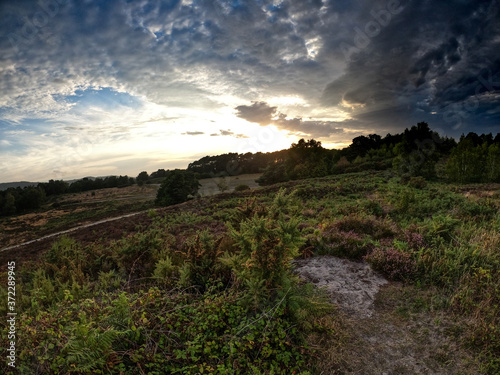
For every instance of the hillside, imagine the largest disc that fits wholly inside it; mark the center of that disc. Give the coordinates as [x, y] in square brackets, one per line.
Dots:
[21, 184]
[209, 285]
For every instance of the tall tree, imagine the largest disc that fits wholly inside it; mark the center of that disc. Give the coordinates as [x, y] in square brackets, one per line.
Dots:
[142, 178]
[179, 186]
[466, 163]
[492, 172]
[9, 204]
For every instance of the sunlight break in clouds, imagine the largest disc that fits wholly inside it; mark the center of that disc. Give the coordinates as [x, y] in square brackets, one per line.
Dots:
[100, 87]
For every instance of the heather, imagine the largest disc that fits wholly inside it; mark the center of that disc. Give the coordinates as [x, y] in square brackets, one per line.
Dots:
[211, 288]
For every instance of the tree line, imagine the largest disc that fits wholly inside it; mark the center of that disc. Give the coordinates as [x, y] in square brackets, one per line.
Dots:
[416, 152]
[234, 164]
[17, 200]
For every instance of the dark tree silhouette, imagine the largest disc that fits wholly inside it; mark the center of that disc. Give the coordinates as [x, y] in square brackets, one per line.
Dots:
[179, 186]
[142, 178]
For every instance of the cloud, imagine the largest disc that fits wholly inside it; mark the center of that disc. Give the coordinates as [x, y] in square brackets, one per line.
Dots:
[264, 114]
[222, 133]
[178, 63]
[228, 133]
[312, 128]
[258, 112]
[410, 68]
[188, 55]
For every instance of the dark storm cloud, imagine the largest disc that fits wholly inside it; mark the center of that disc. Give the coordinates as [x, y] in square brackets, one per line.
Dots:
[310, 128]
[431, 57]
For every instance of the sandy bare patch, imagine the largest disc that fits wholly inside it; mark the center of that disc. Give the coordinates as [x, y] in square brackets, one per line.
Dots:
[378, 339]
[352, 285]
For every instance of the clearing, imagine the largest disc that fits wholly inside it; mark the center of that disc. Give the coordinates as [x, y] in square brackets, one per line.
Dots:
[388, 328]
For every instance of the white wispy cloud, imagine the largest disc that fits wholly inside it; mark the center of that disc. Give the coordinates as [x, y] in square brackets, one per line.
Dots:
[202, 66]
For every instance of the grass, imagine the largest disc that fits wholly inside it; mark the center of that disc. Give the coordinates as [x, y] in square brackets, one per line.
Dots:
[71, 210]
[209, 186]
[186, 289]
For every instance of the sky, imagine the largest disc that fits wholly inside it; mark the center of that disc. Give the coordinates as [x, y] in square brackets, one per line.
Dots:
[97, 88]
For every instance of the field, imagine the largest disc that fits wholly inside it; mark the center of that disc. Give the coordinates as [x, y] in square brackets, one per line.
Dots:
[71, 210]
[209, 185]
[74, 210]
[209, 286]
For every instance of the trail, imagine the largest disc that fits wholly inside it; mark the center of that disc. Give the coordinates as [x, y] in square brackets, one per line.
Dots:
[381, 340]
[70, 230]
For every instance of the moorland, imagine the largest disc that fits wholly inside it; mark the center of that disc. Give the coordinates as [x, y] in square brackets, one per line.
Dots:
[209, 285]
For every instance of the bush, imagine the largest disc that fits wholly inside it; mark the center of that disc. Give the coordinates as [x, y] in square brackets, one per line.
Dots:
[165, 271]
[267, 245]
[178, 187]
[352, 236]
[414, 240]
[241, 187]
[417, 182]
[201, 261]
[394, 264]
[440, 227]
[222, 184]
[342, 244]
[371, 226]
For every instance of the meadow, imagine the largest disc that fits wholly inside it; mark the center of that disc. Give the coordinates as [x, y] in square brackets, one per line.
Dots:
[208, 286]
[69, 210]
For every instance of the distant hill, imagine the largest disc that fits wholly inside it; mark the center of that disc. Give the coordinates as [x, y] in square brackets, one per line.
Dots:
[22, 184]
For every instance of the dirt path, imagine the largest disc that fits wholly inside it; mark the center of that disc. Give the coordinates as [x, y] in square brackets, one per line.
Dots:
[384, 336]
[69, 231]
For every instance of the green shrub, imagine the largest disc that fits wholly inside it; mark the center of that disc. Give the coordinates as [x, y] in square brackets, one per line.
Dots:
[266, 249]
[241, 187]
[417, 182]
[165, 271]
[342, 244]
[108, 281]
[202, 260]
[179, 186]
[440, 227]
[373, 207]
[88, 349]
[266, 246]
[394, 264]
[134, 254]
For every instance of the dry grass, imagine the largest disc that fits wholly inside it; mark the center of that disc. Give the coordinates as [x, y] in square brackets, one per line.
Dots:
[408, 334]
[73, 210]
[209, 185]
[94, 196]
